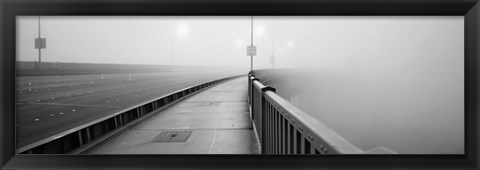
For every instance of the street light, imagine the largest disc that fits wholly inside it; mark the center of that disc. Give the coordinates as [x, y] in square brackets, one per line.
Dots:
[181, 30]
[260, 31]
[290, 45]
[239, 43]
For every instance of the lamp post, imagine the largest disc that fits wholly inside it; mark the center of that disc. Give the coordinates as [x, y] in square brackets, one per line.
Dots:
[39, 39]
[171, 50]
[251, 44]
[272, 59]
[39, 44]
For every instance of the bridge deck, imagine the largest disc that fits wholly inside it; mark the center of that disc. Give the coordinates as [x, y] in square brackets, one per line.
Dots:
[214, 121]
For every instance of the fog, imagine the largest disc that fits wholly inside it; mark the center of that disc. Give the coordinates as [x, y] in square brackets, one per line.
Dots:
[394, 81]
[205, 41]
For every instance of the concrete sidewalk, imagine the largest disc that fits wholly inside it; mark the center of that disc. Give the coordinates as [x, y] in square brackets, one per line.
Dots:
[214, 121]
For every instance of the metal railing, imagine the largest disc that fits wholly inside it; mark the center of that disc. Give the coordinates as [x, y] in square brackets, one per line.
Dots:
[81, 138]
[284, 129]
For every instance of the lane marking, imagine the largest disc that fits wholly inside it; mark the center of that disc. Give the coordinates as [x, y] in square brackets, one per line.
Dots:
[214, 133]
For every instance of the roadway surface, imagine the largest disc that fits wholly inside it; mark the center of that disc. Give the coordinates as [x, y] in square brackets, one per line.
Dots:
[47, 105]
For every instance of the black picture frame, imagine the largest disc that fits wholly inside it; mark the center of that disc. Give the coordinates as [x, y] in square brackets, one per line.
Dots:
[470, 9]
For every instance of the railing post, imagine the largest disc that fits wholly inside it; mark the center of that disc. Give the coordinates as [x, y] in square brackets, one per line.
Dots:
[263, 116]
[249, 88]
[251, 98]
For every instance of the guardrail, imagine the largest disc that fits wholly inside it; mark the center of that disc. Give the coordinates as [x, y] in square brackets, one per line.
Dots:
[78, 139]
[284, 129]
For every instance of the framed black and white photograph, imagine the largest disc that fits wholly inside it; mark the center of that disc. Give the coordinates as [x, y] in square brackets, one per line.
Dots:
[240, 84]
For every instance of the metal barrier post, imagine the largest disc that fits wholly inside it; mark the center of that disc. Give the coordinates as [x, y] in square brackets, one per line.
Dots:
[252, 98]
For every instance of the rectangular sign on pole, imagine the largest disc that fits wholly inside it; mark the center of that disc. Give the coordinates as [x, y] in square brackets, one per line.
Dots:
[251, 50]
[272, 59]
[40, 43]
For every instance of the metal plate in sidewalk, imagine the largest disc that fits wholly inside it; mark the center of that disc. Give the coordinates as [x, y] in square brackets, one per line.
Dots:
[209, 104]
[173, 136]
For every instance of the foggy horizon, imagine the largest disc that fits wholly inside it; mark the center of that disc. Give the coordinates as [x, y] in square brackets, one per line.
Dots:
[299, 42]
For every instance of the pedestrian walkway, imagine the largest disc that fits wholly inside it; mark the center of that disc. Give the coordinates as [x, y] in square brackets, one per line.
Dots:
[214, 121]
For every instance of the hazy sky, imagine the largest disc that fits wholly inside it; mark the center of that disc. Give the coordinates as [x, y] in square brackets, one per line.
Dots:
[322, 41]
